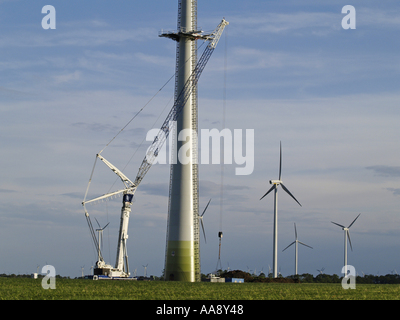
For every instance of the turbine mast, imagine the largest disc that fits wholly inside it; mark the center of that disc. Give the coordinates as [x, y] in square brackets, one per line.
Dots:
[182, 252]
[182, 255]
[275, 266]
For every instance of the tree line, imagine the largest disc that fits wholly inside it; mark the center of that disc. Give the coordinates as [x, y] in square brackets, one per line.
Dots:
[309, 278]
[248, 277]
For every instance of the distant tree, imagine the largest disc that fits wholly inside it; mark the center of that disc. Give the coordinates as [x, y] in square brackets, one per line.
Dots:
[306, 278]
[335, 278]
[219, 273]
[238, 274]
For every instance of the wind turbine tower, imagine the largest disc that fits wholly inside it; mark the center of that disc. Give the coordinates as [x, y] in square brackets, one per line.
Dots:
[182, 254]
[182, 257]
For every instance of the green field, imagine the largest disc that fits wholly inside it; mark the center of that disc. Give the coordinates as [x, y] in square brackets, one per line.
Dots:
[27, 289]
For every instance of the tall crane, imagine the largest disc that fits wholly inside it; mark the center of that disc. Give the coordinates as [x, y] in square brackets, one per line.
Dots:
[121, 268]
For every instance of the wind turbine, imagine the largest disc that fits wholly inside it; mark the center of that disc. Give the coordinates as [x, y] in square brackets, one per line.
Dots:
[275, 184]
[145, 270]
[296, 252]
[201, 220]
[346, 235]
[100, 242]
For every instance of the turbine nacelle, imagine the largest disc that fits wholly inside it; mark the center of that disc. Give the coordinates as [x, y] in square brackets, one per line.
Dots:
[277, 182]
[346, 230]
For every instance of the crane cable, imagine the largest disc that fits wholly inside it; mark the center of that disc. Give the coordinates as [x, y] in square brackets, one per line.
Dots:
[223, 124]
[221, 203]
[137, 113]
[165, 84]
[123, 128]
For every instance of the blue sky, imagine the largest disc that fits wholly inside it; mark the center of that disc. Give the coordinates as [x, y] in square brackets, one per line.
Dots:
[293, 75]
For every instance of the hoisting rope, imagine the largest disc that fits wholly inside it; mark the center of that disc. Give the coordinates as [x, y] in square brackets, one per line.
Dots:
[223, 125]
[138, 112]
[165, 84]
[221, 203]
[123, 128]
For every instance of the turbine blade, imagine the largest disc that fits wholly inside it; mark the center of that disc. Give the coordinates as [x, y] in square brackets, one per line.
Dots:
[272, 188]
[338, 224]
[284, 188]
[295, 231]
[97, 222]
[354, 220]
[289, 245]
[204, 233]
[206, 208]
[348, 236]
[106, 226]
[280, 160]
[305, 244]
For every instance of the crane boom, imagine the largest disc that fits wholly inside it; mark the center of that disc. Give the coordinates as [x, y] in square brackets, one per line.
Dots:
[182, 98]
[128, 183]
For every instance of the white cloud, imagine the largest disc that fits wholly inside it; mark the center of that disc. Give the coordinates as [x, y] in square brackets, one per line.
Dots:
[385, 171]
[381, 17]
[95, 36]
[74, 76]
[154, 59]
[319, 23]
[276, 23]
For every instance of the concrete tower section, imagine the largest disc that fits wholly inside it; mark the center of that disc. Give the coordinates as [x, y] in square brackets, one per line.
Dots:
[182, 261]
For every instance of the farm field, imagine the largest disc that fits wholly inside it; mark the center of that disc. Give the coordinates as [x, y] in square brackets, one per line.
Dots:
[77, 289]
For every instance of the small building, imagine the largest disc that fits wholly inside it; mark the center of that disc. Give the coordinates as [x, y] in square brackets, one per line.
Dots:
[214, 278]
[234, 280]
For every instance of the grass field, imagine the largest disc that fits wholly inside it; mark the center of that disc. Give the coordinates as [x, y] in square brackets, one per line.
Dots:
[27, 289]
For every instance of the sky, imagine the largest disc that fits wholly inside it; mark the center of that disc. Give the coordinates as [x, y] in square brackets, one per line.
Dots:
[293, 74]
